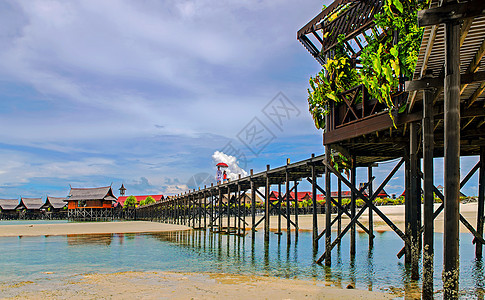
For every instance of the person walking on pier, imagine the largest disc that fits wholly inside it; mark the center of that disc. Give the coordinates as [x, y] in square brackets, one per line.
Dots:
[225, 177]
[218, 175]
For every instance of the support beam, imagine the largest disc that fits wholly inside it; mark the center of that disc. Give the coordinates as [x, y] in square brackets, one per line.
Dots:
[295, 185]
[481, 207]
[266, 206]
[451, 13]
[339, 201]
[371, 217]
[428, 174]
[353, 198]
[413, 196]
[452, 158]
[253, 203]
[328, 209]
[287, 198]
[314, 210]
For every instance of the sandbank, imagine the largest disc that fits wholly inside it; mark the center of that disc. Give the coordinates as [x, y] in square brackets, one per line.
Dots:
[88, 228]
[171, 285]
[394, 212]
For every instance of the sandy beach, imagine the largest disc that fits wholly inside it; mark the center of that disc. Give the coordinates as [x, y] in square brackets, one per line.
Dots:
[88, 228]
[171, 285]
[394, 212]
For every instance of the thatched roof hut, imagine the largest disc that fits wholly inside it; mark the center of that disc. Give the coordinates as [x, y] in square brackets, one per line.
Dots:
[55, 202]
[9, 204]
[31, 203]
[101, 197]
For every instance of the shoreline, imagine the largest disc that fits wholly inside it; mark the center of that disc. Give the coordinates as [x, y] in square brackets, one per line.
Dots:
[88, 228]
[394, 212]
[174, 285]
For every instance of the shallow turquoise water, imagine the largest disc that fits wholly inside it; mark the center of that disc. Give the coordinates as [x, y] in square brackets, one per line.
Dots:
[26, 258]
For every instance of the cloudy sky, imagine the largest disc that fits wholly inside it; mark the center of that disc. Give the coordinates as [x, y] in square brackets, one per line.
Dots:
[143, 93]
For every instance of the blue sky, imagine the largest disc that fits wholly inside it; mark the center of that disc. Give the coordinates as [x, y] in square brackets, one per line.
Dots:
[95, 93]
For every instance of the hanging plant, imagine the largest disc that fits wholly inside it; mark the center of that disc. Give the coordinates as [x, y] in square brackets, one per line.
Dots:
[336, 77]
[384, 61]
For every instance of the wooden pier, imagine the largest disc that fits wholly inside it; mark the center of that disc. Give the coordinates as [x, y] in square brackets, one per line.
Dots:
[444, 116]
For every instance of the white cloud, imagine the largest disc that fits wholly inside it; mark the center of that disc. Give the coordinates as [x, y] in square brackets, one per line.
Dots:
[233, 170]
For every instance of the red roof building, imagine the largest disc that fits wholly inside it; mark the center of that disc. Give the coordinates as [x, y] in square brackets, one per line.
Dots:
[301, 196]
[122, 199]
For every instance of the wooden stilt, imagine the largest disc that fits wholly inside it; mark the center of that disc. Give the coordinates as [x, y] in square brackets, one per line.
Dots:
[266, 206]
[428, 187]
[314, 210]
[481, 196]
[288, 214]
[414, 197]
[253, 203]
[228, 210]
[407, 205]
[220, 209]
[328, 209]
[239, 208]
[339, 201]
[295, 183]
[352, 207]
[371, 216]
[451, 160]
[279, 208]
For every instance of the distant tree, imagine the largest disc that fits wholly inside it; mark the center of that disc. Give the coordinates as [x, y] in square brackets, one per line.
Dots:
[149, 200]
[130, 202]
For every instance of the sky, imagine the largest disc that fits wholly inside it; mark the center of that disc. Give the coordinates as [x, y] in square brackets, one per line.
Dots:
[144, 93]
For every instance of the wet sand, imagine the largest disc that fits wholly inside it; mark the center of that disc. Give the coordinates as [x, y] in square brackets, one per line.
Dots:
[87, 228]
[170, 285]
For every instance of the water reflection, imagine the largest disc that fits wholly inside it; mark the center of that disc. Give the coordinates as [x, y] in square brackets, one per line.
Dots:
[90, 239]
[376, 268]
[201, 251]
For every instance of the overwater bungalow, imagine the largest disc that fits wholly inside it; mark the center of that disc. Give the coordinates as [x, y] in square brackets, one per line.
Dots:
[54, 203]
[31, 204]
[101, 197]
[7, 205]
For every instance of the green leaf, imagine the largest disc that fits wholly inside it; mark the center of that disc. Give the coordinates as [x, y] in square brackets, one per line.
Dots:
[398, 5]
[394, 52]
[402, 108]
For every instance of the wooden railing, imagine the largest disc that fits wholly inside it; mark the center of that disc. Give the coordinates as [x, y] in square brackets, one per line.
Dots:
[356, 106]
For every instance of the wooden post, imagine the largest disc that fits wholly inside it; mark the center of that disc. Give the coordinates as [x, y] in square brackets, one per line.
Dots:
[452, 161]
[407, 204]
[279, 208]
[253, 203]
[339, 214]
[295, 183]
[428, 173]
[328, 209]
[205, 208]
[228, 210]
[353, 175]
[220, 209]
[266, 206]
[288, 224]
[211, 207]
[239, 207]
[414, 197]
[314, 210]
[481, 195]
[371, 216]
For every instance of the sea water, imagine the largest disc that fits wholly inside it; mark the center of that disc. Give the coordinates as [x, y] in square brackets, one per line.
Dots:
[378, 269]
